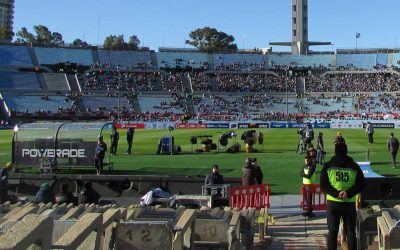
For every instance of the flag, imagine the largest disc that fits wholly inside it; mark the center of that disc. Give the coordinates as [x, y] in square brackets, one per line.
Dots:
[358, 35]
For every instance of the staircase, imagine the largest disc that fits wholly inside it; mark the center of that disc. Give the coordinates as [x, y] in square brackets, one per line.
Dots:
[300, 86]
[42, 82]
[213, 84]
[73, 83]
[154, 59]
[186, 83]
[333, 81]
[95, 56]
[32, 53]
[134, 100]
[190, 104]
[158, 84]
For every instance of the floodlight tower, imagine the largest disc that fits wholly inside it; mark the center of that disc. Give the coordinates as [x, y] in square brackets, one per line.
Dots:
[300, 43]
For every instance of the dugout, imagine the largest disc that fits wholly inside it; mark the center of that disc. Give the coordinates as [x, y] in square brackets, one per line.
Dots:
[53, 146]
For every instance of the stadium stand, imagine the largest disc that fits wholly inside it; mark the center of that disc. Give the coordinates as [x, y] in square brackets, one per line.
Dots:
[238, 62]
[51, 56]
[15, 55]
[125, 59]
[162, 103]
[19, 81]
[35, 103]
[182, 60]
[106, 103]
[396, 60]
[310, 61]
[56, 81]
[358, 61]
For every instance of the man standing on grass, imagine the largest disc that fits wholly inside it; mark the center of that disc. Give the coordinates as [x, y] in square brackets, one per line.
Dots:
[393, 147]
[129, 139]
[341, 179]
[369, 130]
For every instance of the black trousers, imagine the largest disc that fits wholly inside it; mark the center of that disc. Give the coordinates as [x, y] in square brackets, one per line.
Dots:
[129, 146]
[370, 137]
[393, 156]
[98, 162]
[346, 211]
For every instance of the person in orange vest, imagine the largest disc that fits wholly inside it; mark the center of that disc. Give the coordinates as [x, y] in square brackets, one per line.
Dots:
[308, 174]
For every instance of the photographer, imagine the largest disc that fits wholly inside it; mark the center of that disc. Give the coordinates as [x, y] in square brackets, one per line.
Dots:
[309, 135]
[320, 149]
[300, 146]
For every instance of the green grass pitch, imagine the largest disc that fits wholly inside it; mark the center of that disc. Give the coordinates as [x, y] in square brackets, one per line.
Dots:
[278, 159]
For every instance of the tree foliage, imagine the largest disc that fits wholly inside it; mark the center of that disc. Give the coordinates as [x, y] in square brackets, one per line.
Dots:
[210, 39]
[78, 43]
[114, 42]
[43, 37]
[6, 34]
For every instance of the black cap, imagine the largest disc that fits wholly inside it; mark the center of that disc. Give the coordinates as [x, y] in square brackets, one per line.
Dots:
[341, 149]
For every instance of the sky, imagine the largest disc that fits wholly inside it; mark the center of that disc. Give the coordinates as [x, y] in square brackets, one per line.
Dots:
[253, 23]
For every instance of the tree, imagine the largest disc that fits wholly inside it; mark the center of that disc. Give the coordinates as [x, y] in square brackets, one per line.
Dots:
[209, 39]
[44, 37]
[113, 42]
[133, 42]
[25, 37]
[78, 43]
[6, 34]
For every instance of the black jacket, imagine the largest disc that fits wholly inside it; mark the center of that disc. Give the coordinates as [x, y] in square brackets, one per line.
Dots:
[212, 179]
[343, 161]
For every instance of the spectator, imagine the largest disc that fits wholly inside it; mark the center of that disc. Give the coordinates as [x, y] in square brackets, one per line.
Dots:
[4, 182]
[65, 196]
[341, 179]
[100, 152]
[114, 136]
[320, 149]
[129, 139]
[248, 174]
[44, 195]
[257, 171]
[214, 177]
[369, 130]
[339, 139]
[88, 195]
[393, 147]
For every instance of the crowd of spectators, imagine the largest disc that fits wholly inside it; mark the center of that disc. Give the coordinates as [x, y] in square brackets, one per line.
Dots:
[137, 66]
[200, 81]
[178, 102]
[116, 80]
[240, 66]
[240, 82]
[172, 82]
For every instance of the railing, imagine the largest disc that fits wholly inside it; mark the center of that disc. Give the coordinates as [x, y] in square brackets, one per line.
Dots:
[255, 196]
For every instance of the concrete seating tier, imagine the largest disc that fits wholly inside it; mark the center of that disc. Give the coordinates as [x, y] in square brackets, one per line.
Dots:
[56, 81]
[104, 103]
[244, 60]
[125, 59]
[52, 56]
[19, 81]
[15, 55]
[159, 103]
[361, 61]
[91, 226]
[36, 103]
[182, 60]
[313, 61]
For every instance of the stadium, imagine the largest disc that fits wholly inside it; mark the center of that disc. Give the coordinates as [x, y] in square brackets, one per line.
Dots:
[191, 109]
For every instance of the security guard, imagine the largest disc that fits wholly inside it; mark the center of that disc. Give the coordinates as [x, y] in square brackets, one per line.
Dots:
[308, 174]
[341, 179]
